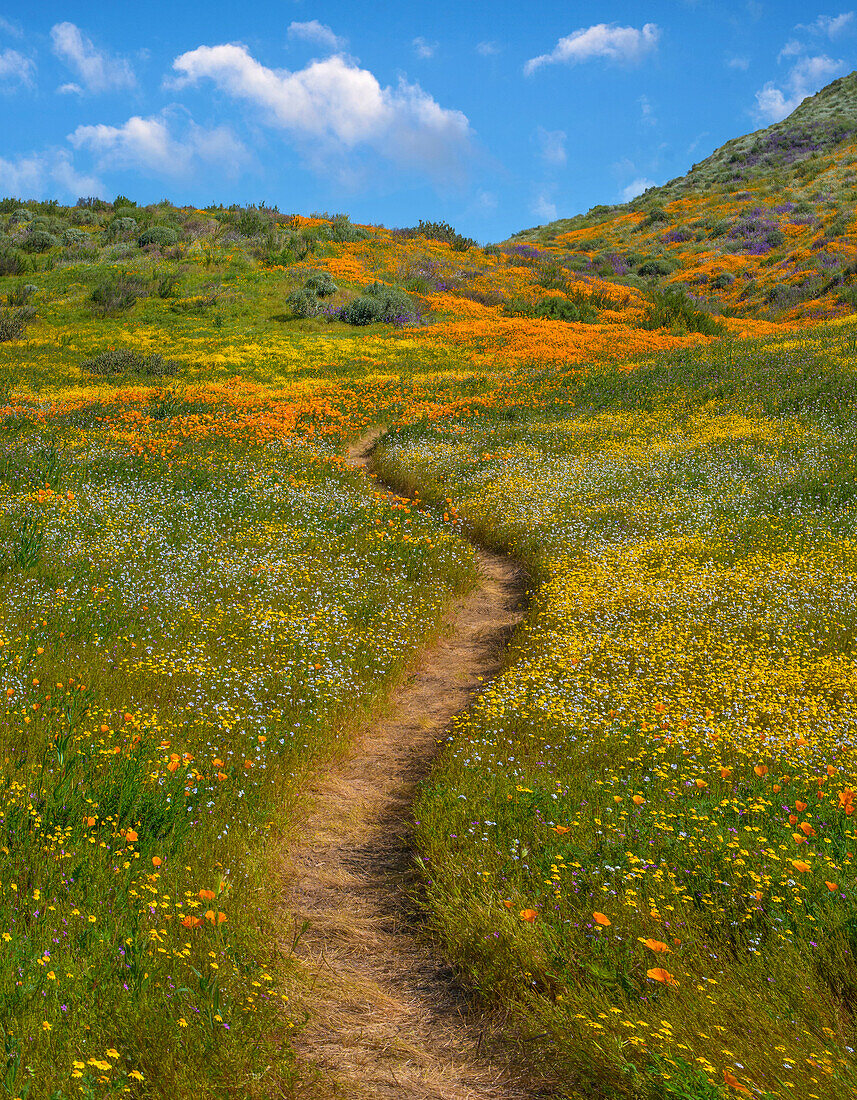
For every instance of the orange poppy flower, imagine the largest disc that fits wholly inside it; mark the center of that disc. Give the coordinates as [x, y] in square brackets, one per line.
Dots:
[561, 829]
[131, 835]
[156, 861]
[725, 773]
[799, 865]
[761, 770]
[528, 915]
[734, 1083]
[831, 886]
[191, 922]
[800, 806]
[638, 800]
[654, 945]
[658, 974]
[207, 895]
[600, 918]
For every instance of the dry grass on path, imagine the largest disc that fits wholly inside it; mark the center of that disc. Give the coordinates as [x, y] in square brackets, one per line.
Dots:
[387, 1019]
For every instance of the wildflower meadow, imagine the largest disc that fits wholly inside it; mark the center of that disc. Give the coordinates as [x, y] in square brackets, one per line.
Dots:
[639, 841]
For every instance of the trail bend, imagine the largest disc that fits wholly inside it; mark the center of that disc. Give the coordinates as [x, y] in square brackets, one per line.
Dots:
[387, 1018]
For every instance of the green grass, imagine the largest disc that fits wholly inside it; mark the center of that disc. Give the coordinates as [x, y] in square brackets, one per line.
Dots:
[691, 526]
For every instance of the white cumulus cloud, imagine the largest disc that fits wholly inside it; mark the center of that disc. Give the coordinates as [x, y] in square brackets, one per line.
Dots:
[34, 175]
[96, 71]
[830, 25]
[319, 33]
[636, 187]
[151, 146]
[603, 40]
[333, 107]
[15, 69]
[487, 49]
[774, 103]
[544, 208]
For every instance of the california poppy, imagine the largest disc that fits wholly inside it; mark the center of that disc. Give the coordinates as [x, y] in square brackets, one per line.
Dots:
[658, 974]
[734, 1083]
[528, 915]
[654, 945]
[799, 865]
[600, 918]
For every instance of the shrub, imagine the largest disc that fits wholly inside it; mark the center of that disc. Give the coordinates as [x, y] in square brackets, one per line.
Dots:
[553, 308]
[12, 262]
[653, 216]
[73, 236]
[672, 308]
[723, 280]
[116, 293]
[655, 267]
[438, 231]
[125, 361]
[321, 284]
[14, 322]
[19, 295]
[161, 235]
[119, 227]
[39, 240]
[341, 231]
[303, 303]
[379, 303]
[167, 284]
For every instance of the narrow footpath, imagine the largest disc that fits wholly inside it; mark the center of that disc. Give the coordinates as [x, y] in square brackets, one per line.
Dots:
[387, 1018]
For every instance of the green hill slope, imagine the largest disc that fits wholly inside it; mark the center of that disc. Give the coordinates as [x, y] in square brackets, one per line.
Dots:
[764, 226]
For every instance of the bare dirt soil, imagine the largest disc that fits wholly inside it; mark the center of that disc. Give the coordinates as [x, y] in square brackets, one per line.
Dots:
[387, 1018]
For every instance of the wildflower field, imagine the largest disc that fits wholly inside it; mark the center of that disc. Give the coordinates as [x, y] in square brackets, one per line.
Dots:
[639, 841]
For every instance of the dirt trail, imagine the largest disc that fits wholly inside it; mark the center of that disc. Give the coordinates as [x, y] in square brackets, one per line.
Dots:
[387, 1019]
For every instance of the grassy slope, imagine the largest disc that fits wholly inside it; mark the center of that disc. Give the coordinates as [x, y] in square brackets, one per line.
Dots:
[191, 531]
[766, 223]
[639, 841]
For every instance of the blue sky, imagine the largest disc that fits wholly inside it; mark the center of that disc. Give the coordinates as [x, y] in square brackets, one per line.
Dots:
[493, 116]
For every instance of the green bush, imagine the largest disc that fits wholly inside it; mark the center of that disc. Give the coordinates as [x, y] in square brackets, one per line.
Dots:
[73, 236]
[125, 361]
[20, 294]
[321, 284]
[438, 231]
[341, 231]
[672, 308]
[723, 280]
[116, 293]
[12, 262]
[39, 240]
[379, 303]
[303, 303]
[14, 322]
[161, 235]
[655, 267]
[553, 308]
[119, 227]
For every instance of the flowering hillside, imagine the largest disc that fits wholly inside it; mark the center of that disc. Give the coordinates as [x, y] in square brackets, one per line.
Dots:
[639, 842]
[763, 227]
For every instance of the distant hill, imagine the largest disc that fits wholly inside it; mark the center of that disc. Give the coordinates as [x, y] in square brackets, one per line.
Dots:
[765, 225]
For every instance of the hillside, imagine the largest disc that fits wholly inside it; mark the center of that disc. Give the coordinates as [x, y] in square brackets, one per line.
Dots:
[764, 226]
